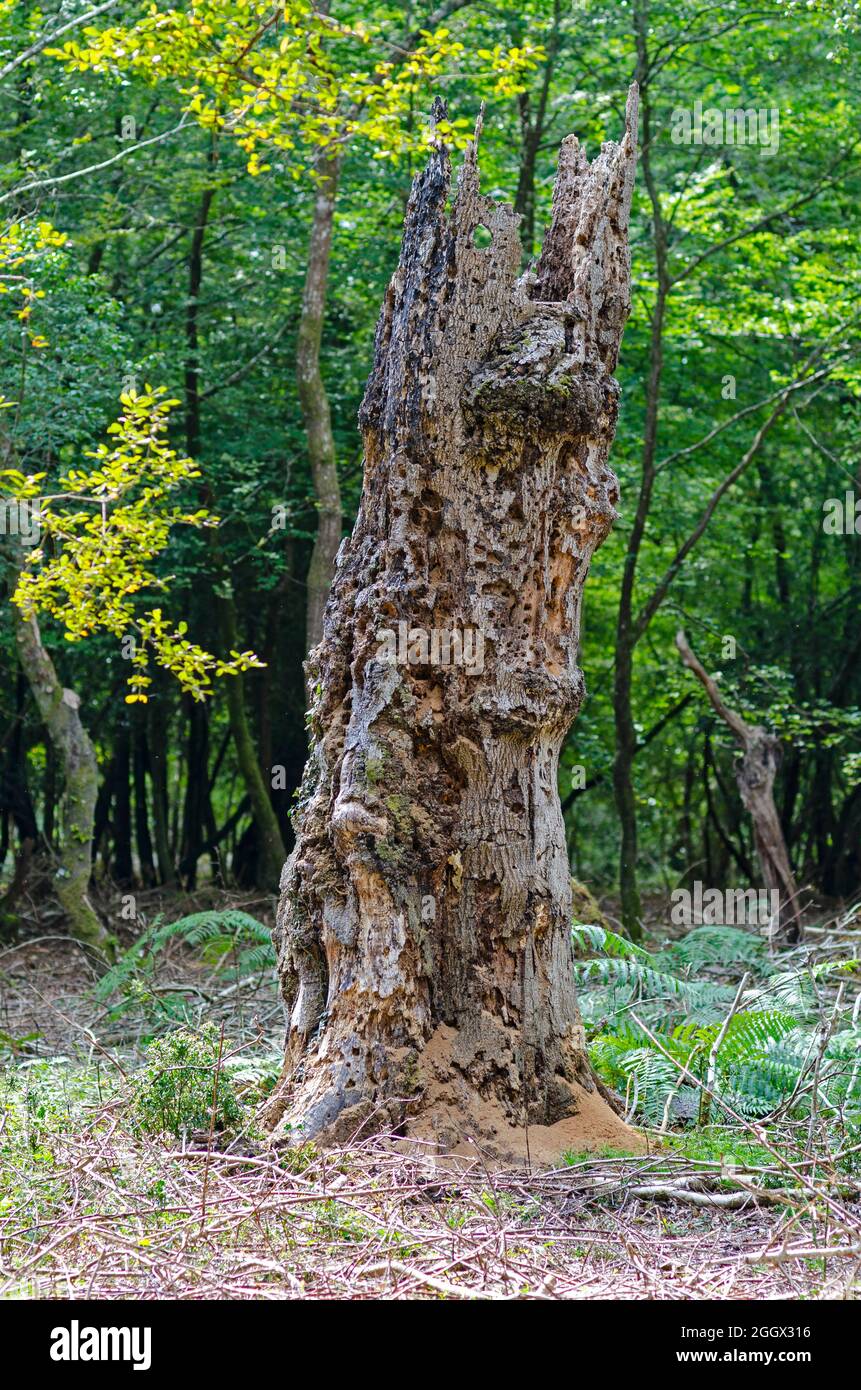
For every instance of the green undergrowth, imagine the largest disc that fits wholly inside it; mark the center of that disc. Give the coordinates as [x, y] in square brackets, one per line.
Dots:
[656, 1023]
[786, 1085]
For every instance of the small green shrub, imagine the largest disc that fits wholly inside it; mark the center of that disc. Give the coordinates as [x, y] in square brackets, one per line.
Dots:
[174, 1090]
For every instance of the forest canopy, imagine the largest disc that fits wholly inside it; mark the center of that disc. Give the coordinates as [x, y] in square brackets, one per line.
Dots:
[206, 200]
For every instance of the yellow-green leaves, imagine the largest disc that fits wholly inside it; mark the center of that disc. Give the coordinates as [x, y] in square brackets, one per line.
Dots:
[290, 78]
[21, 486]
[106, 526]
[22, 246]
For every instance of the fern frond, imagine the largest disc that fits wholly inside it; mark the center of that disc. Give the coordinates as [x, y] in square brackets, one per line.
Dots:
[712, 945]
[588, 937]
[216, 934]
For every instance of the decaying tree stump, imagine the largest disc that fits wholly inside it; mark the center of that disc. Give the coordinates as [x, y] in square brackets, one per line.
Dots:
[755, 772]
[423, 931]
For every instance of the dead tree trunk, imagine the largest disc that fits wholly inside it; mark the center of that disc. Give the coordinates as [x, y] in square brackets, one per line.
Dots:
[755, 772]
[424, 925]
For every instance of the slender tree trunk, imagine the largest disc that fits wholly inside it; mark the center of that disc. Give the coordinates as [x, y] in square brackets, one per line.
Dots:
[15, 789]
[102, 844]
[123, 871]
[316, 414]
[729, 851]
[686, 829]
[157, 734]
[755, 774]
[196, 811]
[627, 634]
[272, 854]
[423, 931]
[143, 838]
[77, 757]
[623, 782]
[13, 894]
[192, 322]
[18, 809]
[533, 115]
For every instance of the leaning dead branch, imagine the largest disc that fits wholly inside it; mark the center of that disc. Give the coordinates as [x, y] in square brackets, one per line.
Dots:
[755, 773]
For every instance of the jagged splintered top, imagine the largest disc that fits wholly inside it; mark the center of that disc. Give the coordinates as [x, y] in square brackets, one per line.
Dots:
[449, 300]
[583, 195]
[586, 246]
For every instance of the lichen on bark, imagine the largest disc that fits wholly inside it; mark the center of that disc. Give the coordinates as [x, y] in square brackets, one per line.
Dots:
[423, 931]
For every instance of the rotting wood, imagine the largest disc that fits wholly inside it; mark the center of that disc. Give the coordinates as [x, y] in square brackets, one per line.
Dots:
[423, 933]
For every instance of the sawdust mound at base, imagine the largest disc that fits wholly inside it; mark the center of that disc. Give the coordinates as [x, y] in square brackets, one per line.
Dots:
[455, 1121]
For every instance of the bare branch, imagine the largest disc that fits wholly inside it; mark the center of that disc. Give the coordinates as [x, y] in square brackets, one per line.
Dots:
[42, 43]
[94, 168]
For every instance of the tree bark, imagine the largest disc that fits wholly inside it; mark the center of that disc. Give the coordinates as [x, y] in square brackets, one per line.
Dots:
[59, 711]
[755, 773]
[423, 932]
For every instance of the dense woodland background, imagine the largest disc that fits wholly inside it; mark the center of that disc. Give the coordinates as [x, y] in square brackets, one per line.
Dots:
[188, 267]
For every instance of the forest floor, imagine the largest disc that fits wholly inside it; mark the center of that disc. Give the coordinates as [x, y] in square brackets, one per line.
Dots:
[92, 1207]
